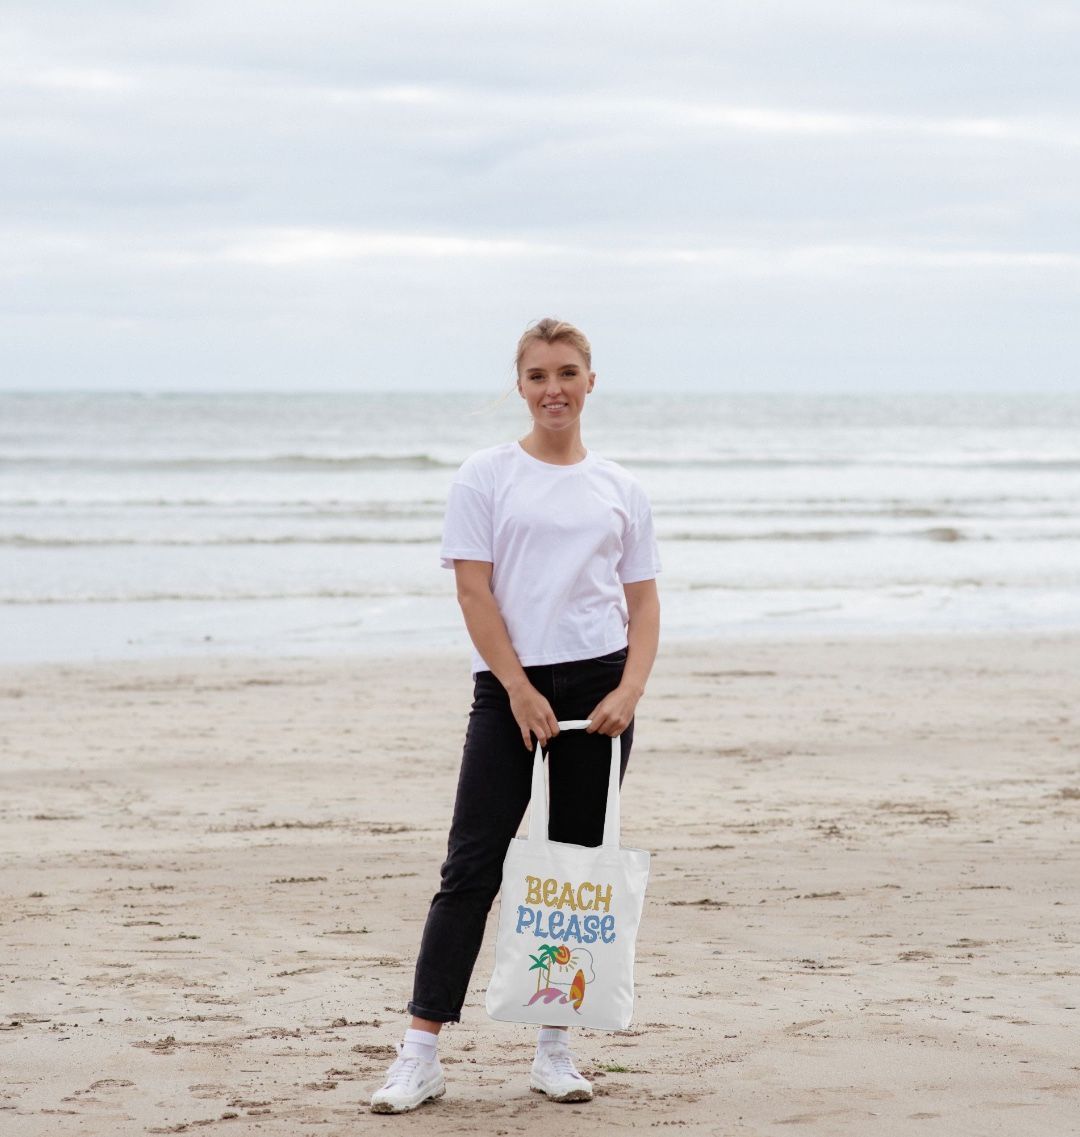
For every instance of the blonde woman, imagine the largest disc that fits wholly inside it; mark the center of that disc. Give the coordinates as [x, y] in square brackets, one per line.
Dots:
[555, 559]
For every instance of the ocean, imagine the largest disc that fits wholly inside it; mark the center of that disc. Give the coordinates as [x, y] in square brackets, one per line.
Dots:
[138, 525]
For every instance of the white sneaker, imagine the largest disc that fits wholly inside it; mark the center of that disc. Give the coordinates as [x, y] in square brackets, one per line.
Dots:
[554, 1074]
[409, 1083]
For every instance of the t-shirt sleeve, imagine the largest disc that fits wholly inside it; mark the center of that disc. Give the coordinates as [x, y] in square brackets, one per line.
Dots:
[467, 528]
[640, 558]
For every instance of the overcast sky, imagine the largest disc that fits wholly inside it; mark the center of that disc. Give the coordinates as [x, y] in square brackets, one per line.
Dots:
[814, 195]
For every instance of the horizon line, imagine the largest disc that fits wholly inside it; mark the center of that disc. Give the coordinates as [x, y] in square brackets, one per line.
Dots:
[339, 391]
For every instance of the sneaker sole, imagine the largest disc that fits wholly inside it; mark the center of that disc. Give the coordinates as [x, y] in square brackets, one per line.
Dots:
[569, 1095]
[388, 1107]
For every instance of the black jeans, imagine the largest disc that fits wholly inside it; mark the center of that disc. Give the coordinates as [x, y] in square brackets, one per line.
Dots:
[492, 794]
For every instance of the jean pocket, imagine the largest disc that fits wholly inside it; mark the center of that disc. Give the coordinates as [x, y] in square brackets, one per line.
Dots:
[615, 658]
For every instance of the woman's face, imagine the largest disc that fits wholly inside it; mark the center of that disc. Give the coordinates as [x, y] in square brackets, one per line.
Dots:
[554, 380]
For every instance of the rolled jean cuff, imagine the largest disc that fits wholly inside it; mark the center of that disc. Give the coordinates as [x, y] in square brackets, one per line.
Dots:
[433, 1016]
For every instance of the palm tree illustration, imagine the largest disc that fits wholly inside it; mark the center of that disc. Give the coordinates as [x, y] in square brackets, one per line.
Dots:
[542, 963]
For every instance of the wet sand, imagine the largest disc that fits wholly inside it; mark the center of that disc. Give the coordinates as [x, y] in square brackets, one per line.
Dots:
[863, 915]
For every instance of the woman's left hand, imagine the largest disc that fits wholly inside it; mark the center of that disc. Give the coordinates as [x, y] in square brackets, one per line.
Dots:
[613, 713]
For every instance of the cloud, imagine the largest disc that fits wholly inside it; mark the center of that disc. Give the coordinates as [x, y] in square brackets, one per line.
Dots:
[333, 174]
[79, 80]
[292, 246]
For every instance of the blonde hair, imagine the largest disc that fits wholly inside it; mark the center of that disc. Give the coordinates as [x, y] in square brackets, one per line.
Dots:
[549, 330]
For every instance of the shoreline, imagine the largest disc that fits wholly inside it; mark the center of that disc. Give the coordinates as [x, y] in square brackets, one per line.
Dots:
[400, 625]
[402, 645]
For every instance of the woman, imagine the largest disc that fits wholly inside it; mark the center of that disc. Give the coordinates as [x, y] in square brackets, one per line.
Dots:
[555, 560]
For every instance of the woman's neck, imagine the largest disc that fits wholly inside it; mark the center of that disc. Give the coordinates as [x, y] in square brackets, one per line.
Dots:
[563, 448]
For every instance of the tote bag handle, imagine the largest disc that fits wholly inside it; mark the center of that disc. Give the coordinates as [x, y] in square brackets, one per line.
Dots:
[538, 810]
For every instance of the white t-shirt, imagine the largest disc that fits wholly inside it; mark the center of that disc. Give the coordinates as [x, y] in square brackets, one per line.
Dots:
[562, 541]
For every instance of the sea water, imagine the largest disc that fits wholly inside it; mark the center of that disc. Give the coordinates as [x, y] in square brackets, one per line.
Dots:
[134, 525]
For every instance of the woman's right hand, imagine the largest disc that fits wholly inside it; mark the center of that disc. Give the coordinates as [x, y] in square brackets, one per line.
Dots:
[533, 713]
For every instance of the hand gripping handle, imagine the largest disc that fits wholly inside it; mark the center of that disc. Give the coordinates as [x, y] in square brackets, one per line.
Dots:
[538, 811]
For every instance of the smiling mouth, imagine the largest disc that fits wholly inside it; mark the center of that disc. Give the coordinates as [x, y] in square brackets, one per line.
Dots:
[554, 406]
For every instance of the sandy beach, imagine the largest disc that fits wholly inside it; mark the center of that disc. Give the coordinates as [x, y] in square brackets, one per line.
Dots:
[863, 915]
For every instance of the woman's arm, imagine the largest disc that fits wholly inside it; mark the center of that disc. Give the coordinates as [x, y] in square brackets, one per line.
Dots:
[614, 712]
[486, 627]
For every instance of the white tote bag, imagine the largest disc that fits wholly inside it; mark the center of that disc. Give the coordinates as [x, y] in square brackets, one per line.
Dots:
[568, 920]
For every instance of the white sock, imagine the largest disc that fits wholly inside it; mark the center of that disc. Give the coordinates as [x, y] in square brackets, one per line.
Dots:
[551, 1036]
[420, 1044]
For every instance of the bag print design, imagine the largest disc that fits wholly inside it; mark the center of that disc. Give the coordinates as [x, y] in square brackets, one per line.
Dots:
[567, 971]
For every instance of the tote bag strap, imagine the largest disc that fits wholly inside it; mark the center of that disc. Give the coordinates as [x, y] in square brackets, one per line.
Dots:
[538, 810]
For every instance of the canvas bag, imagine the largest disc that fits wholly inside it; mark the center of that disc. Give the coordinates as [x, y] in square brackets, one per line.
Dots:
[568, 920]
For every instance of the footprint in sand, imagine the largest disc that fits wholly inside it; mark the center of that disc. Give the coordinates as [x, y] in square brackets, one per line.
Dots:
[102, 1084]
[795, 1028]
[204, 1090]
